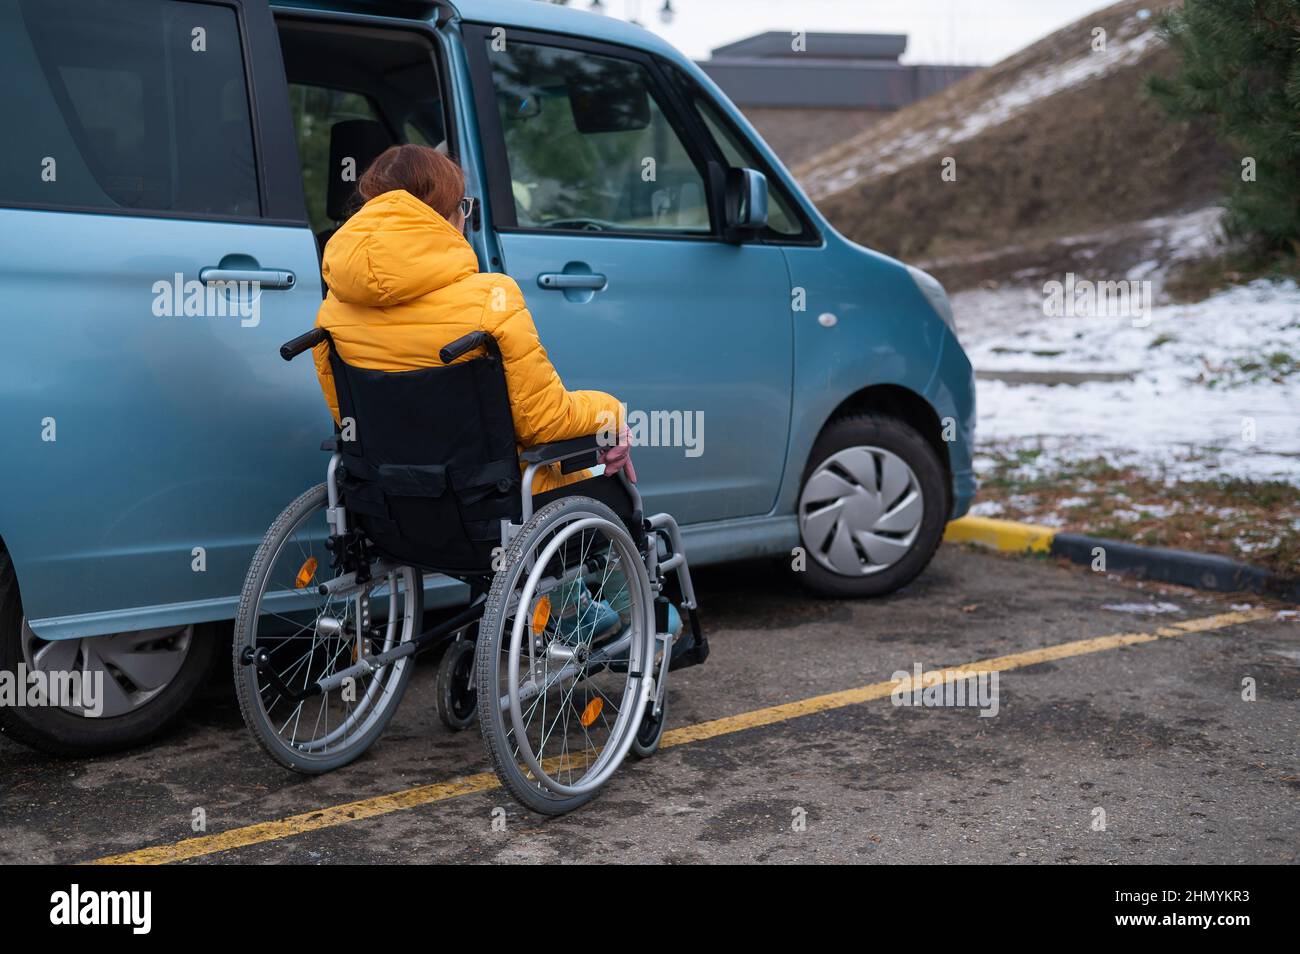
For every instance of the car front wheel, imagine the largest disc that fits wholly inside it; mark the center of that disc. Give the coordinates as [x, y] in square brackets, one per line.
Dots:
[872, 507]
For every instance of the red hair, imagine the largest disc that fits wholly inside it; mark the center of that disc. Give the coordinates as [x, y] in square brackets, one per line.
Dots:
[422, 171]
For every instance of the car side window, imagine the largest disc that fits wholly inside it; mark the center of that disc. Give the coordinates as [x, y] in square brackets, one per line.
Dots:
[589, 146]
[315, 111]
[738, 152]
[126, 105]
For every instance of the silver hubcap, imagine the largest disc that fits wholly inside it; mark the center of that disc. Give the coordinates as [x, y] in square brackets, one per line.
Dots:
[860, 511]
[136, 665]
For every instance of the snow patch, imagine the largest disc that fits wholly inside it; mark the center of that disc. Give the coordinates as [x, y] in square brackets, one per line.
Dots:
[1144, 609]
[1183, 407]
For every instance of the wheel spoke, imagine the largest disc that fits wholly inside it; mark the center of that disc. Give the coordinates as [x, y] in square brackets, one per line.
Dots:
[819, 522]
[827, 485]
[903, 517]
[59, 655]
[895, 477]
[861, 464]
[882, 550]
[841, 553]
[115, 701]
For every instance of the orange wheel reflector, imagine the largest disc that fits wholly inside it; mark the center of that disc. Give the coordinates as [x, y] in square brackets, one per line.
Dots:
[592, 712]
[305, 573]
[541, 615]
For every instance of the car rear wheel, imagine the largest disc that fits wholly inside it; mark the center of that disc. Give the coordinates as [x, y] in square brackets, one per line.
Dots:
[872, 507]
[148, 678]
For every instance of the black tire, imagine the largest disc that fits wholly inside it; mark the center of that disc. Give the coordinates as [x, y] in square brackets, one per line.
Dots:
[246, 685]
[489, 656]
[457, 703]
[70, 735]
[650, 732]
[903, 440]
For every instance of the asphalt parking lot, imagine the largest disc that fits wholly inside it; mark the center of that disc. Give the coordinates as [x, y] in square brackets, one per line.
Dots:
[1095, 723]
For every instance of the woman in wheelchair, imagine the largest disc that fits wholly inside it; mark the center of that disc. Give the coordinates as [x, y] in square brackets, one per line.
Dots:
[459, 451]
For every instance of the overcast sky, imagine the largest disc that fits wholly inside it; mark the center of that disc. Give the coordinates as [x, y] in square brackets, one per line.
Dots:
[939, 31]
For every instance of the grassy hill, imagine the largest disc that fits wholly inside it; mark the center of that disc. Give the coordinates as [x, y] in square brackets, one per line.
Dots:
[1061, 162]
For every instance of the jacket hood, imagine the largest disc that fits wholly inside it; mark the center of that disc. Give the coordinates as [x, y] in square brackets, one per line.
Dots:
[393, 250]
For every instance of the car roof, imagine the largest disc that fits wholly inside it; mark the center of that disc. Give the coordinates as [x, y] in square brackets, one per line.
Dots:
[525, 14]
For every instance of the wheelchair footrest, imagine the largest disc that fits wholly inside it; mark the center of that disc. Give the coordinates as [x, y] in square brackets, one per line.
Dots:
[695, 649]
[691, 656]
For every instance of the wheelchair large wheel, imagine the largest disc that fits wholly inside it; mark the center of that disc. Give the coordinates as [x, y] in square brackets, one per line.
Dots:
[571, 598]
[310, 636]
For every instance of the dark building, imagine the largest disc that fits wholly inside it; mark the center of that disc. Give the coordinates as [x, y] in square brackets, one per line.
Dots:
[838, 84]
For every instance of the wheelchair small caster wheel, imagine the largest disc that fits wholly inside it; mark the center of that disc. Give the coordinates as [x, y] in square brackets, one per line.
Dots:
[457, 700]
[649, 732]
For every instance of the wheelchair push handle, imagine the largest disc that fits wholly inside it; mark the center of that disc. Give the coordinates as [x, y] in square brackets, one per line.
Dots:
[467, 343]
[291, 349]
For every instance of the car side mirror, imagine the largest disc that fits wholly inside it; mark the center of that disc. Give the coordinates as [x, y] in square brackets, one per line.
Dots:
[746, 201]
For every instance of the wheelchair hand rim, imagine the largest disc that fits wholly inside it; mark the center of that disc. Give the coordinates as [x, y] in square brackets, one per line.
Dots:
[612, 755]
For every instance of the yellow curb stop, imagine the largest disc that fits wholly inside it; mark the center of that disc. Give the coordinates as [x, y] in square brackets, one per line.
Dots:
[1006, 535]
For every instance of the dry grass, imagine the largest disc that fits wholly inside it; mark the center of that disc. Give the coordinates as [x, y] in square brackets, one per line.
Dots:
[1085, 159]
[1198, 280]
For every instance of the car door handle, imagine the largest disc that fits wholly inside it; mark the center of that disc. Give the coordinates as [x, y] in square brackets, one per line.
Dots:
[264, 277]
[563, 280]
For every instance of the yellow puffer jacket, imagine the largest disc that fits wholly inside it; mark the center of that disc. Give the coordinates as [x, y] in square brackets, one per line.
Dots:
[403, 283]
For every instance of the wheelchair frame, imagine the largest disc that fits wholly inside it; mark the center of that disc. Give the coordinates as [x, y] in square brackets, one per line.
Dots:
[351, 552]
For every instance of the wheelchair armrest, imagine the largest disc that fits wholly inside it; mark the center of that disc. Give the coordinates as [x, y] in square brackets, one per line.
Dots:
[573, 454]
[561, 450]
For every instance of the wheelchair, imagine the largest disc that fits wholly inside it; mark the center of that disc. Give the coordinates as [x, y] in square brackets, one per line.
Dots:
[564, 650]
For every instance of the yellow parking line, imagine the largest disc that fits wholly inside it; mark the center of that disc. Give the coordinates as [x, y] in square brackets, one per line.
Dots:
[486, 781]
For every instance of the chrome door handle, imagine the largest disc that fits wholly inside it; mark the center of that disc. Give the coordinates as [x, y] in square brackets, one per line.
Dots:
[264, 277]
[561, 280]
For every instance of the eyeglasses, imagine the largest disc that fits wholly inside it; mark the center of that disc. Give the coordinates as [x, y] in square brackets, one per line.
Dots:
[467, 207]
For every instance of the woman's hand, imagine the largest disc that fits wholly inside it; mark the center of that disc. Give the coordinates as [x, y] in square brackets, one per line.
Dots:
[619, 457]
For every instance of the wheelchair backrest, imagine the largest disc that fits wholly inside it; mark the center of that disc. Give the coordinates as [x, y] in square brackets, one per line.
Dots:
[431, 468]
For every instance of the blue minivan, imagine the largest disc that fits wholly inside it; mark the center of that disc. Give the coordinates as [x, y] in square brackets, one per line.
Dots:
[173, 169]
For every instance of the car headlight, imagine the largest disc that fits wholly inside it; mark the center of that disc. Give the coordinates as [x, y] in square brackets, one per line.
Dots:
[935, 295]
